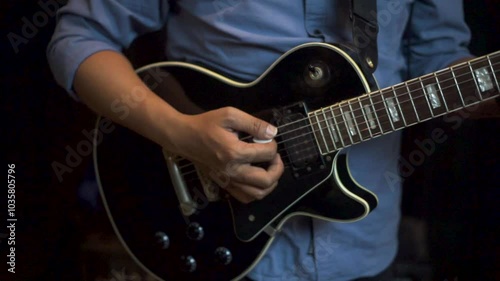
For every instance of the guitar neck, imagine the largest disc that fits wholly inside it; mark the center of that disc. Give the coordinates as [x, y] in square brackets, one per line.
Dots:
[406, 104]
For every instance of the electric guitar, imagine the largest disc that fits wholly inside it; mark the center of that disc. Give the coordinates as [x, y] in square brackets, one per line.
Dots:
[178, 224]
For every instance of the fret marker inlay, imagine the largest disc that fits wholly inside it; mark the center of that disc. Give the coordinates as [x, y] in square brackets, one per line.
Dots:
[350, 124]
[431, 92]
[369, 115]
[392, 109]
[483, 78]
[333, 130]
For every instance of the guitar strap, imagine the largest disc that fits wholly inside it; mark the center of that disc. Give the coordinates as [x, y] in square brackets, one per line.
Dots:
[363, 16]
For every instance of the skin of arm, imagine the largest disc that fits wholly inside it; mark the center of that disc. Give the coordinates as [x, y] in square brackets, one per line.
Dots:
[208, 138]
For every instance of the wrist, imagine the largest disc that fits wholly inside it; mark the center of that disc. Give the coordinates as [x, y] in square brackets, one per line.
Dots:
[171, 127]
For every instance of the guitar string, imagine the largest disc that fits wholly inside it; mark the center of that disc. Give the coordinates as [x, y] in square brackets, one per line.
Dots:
[424, 101]
[343, 127]
[379, 93]
[288, 159]
[284, 152]
[285, 155]
[413, 82]
[348, 139]
[365, 133]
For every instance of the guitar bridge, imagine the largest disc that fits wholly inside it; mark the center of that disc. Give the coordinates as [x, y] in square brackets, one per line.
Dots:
[210, 188]
[186, 203]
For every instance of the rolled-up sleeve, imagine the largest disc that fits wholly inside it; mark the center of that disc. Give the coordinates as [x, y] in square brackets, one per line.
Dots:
[85, 27]
[437, 35]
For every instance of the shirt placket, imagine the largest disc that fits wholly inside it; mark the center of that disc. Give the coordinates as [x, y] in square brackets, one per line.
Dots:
[315, 18]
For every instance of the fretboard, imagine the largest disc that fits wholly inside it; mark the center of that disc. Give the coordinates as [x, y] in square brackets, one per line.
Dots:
[381, 112]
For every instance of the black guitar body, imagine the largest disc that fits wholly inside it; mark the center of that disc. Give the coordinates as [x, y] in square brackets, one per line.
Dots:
[224, 239]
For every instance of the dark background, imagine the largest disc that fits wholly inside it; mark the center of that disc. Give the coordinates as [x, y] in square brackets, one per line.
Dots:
[451, 198]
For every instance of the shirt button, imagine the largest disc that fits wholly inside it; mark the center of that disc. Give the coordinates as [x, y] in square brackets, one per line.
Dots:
[317, 32]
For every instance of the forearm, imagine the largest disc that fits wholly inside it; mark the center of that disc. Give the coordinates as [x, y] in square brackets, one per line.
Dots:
[108, 84]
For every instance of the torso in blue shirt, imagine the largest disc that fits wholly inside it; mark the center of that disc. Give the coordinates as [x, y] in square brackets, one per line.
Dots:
[245, 37]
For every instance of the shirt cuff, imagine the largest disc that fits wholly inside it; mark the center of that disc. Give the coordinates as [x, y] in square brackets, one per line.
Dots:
[65, 60]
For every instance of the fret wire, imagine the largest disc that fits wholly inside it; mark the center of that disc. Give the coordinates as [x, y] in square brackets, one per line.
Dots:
[364, 115]
[321, 147]
[456, 83]
[371, 110]
[376, 115]
[426, 97]
[399, 106]
[475, 81]
[355, 122]
[338, 128]
[458, 88]
[320, 131]
[493, 72]
[409, 103]
[327, 121]
[439, 85]
[412, 102]
[333, 131]
[412, 99]
[345, 124]
[454, 78]
[389, 116]
[441, 91]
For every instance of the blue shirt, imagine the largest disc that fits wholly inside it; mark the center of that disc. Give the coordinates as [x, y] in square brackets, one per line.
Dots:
[244, 37]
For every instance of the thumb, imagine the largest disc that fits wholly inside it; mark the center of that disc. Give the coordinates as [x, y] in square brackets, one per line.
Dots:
[259, 129]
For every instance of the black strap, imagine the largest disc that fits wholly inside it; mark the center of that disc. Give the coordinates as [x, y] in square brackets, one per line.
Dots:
[174, 7]
[363, 15]
[364, 31]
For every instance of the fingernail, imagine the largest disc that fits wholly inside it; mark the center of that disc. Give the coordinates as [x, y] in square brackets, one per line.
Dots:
[271, 131]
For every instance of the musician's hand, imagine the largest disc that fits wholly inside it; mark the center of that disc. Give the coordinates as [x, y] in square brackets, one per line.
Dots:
[211, 139]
